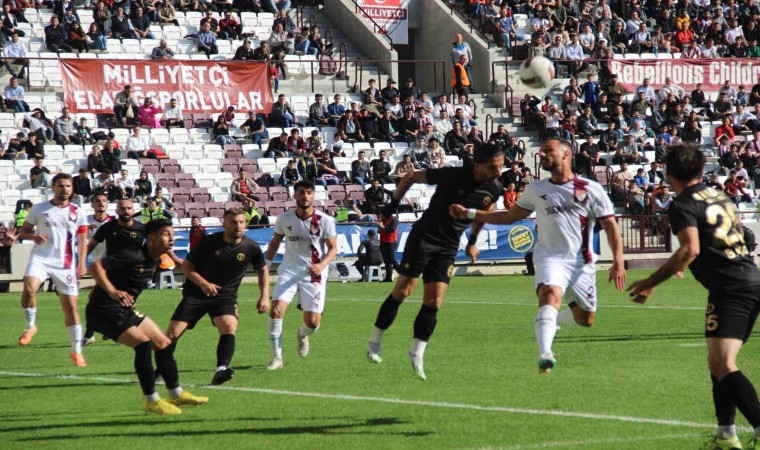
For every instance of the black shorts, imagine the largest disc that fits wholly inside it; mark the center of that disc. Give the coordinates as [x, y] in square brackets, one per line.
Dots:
[732, 313]
[191, 309]
[111, 318]
[434, 262]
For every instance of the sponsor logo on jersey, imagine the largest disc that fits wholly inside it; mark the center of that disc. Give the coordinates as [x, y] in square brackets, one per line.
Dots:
[240, 256]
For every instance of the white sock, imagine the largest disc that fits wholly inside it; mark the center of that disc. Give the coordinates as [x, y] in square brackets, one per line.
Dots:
[75, 336]
[31, 317]
[306, 330]
[546, 328]
[221, 368]
[176, 392]
[726, 431]
[418, 347]
[566, 318]
[377, 336]
[275, 337]
[152, 398]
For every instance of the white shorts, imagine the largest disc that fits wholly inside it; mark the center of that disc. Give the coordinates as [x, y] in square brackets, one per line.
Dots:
[65, 280]
[578, 276]
[310, 293]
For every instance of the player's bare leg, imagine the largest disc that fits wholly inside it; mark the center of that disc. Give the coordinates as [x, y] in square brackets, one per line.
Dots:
[276, 314]
[731, 390]
[575, 315]
[29, 305]
[425, 323]
[73, 325]
[311, 322]
[549, 302]
[225, 349]
[387, 314]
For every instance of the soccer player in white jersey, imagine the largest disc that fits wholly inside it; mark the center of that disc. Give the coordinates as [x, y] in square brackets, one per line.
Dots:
[310, 245]
[59, 231]
[98, 218]
[566, 207]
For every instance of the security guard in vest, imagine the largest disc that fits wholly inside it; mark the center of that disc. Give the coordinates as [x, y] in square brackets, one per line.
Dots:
[459, 78]
[152, 211]
[369, 254]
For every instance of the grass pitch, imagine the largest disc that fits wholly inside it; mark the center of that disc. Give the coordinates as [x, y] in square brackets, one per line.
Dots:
[637, 379]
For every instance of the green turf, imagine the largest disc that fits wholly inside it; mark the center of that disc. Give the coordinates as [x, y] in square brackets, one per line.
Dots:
[483, 389]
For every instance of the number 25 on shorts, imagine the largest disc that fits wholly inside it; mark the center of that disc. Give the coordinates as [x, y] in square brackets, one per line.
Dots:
[711, 320]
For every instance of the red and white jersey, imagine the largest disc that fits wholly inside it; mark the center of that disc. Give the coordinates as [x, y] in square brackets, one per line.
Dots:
[60, 225]
[304, 239]
[92, 226]
[565, 216]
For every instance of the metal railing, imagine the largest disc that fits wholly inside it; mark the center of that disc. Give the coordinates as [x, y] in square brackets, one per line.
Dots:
[359, 65]
[509, 93]
[475, 27]
[645, 233]
[377, 27]
[488, 125]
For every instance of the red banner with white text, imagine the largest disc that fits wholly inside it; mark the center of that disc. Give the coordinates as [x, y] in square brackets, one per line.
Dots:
[711, 73]
[199, 86]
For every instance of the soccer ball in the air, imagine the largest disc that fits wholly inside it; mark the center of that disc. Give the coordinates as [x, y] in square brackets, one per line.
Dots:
[536, 72]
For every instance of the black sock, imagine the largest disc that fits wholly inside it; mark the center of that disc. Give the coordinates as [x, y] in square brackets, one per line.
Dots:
[725, 408]
[167, 366]
[387, 313]
[425, 323]
[144, 368]
[225, 349]
[89, 333]
[744, 396]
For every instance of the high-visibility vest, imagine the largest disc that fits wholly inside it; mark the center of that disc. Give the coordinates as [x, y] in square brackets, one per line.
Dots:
[20, 218]
[146, 215]
[465, 78]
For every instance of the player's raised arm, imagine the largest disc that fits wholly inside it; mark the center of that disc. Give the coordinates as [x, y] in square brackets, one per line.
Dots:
[615, 241]
[515, 214]
[688, 238]
[472, 243]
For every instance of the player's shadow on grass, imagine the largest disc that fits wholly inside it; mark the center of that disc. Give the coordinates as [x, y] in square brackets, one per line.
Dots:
[10, 346]
[107, 423]
[59, 386]
[334, 429]
[631, 337]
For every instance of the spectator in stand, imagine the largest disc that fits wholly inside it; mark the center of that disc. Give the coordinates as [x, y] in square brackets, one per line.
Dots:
[360, 170]
[282, 115]
[590, 91]
[574, 53]
[734, 188]
[621, 180]
[82, 187]
[138, 146]
[437, 153]
[277, 148]
[166, 14]
[121, 27]
[277, 5]
[261, 53]
[246, 53]
[78, 38]
[349, 127]
[327, 172]
[141, 24]
[380, 168]
[742, 97]
[374, 197]
[280, 39]
[318, 114]
[14, 96]
[743, 120]
[243, 187]
[65, 132]
[388, 93]
[32, 147]
[147, 114]
[162, 51]
[371, 97]
[125, 185]
[221, 132]
[587, 158]
[335, 110]
[455, 140]
[296, 143]
[290, 175]
[252, 214]
[15, 149]
[172, 115]
[14, 52]
[255, 128]
[55, 37]
[207, 40]
[143, 186]
[125, 106]
[698, 98]
[39, 174]
[229, 27]
[557, 53]
[404, 166]
[725, 129]
[282, 17]
[409, 127]
[410, 89]
[95, 161]
[460, 77]
[39, 125]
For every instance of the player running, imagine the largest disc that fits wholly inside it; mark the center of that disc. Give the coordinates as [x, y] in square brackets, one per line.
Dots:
[214, 270]
[712, 246]
[120, 278]
[432, 245]
[55, 226]
[310, 245]
[567, 208]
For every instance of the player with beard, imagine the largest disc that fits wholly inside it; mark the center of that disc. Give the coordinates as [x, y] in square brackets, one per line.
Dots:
[310, 245]
[567, 208]
[98, 218]
[55, 226]
[214, 271]
[432, 245]
[120, 278]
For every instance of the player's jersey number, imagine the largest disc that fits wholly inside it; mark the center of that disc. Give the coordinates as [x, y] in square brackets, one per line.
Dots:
[726, 236]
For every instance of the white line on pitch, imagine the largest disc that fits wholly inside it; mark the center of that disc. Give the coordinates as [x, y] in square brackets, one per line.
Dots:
[455, 302]
[396, 401]
[588, 442]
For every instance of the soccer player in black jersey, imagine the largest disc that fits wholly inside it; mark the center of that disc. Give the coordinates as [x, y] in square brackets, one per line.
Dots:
[122, 233]
[712, 246]
[120, 278]
[214, 270]
[432, 245]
